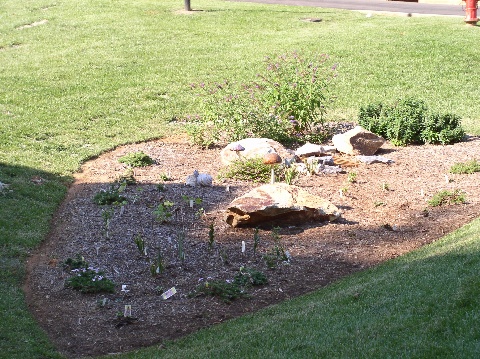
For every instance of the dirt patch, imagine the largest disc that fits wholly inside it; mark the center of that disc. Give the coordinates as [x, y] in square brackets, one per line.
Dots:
[383, 217]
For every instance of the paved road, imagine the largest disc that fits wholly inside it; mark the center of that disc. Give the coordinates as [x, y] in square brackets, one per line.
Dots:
[374, 5]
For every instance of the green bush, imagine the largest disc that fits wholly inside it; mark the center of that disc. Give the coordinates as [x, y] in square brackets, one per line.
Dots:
[443, 129]
[287, 103]
[408, 121]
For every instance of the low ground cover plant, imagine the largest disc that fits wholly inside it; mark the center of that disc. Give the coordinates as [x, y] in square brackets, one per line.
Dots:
[468, 167]
[136, 159]
[109, 197]
[408, 121]
[287, 103]
[229, 290]
[446, 197]
[85, 278]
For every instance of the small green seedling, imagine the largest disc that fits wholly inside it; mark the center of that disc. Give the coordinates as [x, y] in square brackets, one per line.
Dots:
[163, 212]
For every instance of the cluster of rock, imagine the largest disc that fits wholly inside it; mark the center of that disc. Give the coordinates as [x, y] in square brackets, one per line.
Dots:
[279, 203]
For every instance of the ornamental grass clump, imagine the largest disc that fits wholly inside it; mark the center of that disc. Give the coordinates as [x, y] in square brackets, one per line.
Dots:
[408, 121]
[287, 102]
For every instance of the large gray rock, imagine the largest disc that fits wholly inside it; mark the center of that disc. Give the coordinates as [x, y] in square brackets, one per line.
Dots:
[279, 204]
[253, 147]
[358, 141]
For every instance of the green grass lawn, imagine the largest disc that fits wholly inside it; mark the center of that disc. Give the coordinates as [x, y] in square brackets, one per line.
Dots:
[97, 74]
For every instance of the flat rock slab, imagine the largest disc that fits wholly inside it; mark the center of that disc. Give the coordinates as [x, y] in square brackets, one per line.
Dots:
[279, 204]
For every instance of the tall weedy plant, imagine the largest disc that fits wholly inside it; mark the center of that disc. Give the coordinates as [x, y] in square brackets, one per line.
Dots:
[287, 102]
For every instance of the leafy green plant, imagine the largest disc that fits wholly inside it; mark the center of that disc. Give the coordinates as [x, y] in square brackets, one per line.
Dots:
[192, 200]
[442, 128]
[140, 243]
[278, 253]
[468, 167]
[446, 197]
[86, 279]
[287, 102]
[164, 177]
[109, 197]
[74, 263]
[136, 159]
[227, 291]
[251, 169]
[107, 215]
[311, 166]
[157, 267]
[163, 211]
[352, 177]
[127, 177]
[291, 174]
[408, 121]
[247, 277]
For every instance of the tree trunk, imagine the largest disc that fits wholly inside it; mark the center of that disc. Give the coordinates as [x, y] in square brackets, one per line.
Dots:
[187, 5]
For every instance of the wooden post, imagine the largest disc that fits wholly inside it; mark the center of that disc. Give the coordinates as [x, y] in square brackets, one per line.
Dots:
[187, 5]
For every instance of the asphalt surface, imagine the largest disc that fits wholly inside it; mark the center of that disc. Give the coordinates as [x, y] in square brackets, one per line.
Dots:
[375, 5]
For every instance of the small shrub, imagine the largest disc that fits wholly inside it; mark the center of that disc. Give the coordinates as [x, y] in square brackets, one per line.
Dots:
[287, 103]
[408, 121]
[109, 197]
[251, 169]
[136, 159]
[443, 129]
[446, 197]
[468, 167]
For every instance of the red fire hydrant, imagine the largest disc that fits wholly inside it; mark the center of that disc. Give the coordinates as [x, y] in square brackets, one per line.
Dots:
[471, 11]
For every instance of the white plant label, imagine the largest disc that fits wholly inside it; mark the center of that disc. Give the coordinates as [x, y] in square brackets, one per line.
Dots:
[243, 246]
[191, 203]
[128, 311]
[169, 293]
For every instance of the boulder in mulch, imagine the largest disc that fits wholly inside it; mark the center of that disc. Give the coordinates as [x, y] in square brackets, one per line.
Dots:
[252, 147]
[358, 141]
[279, 204]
